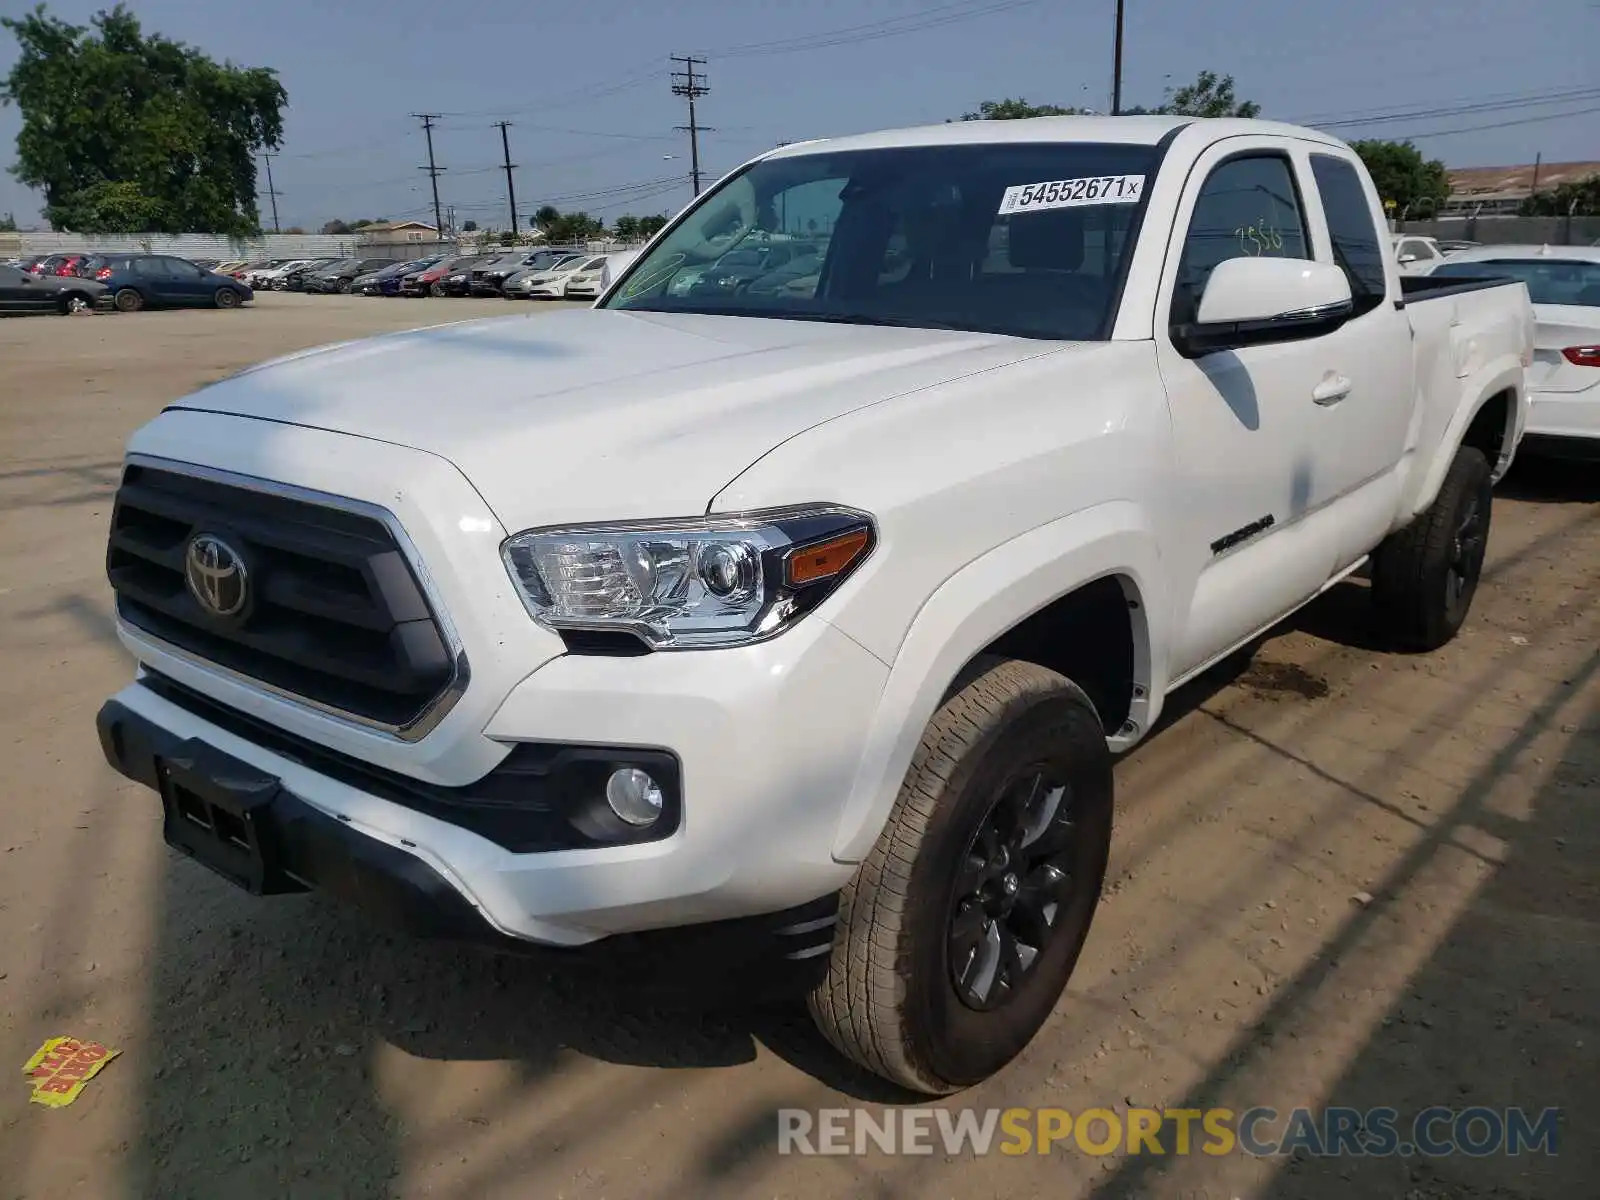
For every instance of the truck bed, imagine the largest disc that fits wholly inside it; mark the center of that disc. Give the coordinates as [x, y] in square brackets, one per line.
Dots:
[1425, 287]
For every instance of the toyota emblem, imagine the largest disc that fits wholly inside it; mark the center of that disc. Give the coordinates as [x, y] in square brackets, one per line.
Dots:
[216, 575]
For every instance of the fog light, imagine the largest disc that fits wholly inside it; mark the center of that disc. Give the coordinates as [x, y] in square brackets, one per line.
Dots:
[634, 796]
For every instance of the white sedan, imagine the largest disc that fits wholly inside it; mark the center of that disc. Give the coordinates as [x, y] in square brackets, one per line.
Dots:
[1564, 382]
[552, 284]
[588, 280]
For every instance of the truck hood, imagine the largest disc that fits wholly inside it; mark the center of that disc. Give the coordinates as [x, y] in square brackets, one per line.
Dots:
[593, 414]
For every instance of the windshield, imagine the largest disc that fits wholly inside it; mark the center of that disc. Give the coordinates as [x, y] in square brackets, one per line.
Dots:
[1549, 280]
[1026, 239]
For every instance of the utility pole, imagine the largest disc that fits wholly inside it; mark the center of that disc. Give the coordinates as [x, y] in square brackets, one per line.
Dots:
[511, 188]
[427, 120]
[693, 87]
[1116, 67]
[272, 192]
[1538, 160]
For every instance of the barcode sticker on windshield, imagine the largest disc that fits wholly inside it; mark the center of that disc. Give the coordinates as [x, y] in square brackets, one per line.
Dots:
[1070, 193]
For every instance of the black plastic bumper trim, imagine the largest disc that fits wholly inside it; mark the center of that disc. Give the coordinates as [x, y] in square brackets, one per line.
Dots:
[296, 846]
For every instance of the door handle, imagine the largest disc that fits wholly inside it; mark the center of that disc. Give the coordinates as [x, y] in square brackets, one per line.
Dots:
[1333, 388]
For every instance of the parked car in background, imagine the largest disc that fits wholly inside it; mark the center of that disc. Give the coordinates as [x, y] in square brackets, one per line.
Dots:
[32, 265]
[458, 282]
[206, 264]
[226, 268]
[390, 281]
[23, 293]
[294, 279]
[59, 264]
[585, 283]
[365, 284]
[165, 281]
[552, 284]
[1415, 253]
[518, 286]
[245, 270]
[1448, 246]
[1564, 382]
[263, 278]
[340, 275]
[489, 278]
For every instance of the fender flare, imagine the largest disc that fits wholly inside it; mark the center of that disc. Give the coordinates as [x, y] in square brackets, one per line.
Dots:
[976, 605]
[1500, 375]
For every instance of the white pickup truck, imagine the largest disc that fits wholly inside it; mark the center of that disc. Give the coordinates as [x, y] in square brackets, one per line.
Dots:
[795, 629]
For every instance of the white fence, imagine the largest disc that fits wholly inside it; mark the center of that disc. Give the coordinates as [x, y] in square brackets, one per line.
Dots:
[194, 245]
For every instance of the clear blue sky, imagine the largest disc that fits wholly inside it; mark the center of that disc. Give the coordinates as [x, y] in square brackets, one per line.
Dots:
[587, 87]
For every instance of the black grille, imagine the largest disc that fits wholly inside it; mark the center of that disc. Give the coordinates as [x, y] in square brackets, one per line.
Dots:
[335, 613]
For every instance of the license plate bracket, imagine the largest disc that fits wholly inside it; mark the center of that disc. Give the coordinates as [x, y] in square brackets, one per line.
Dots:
[218, 810]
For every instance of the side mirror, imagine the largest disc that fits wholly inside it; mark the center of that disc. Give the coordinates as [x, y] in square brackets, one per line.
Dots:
[1255, 301]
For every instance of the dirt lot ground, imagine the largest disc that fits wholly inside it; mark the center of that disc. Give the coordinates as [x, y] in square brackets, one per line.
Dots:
[1340, 876]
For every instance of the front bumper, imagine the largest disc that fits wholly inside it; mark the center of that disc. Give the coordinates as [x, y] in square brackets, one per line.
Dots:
[257, 832]
[768, 738]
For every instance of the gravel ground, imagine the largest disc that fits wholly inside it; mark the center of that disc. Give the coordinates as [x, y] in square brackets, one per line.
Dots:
[1341, 876]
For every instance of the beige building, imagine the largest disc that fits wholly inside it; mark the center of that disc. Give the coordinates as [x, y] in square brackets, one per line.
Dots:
[396, 233]
[1490, 191]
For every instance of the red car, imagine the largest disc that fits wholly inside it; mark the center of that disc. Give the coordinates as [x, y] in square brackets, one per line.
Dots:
[60, 264]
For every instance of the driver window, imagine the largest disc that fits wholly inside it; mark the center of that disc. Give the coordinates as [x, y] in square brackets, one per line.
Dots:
[1248, 207]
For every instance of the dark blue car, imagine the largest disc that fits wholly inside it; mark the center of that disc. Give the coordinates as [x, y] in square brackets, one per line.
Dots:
[389, 281]
[163, 281]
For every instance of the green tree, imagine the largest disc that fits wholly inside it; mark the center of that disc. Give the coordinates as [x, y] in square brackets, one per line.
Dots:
[545, 217]
[121, 127]
[8, 223]
[469, 227]
[1580, 198]
[339, 228]
[1014, 110]
[1403, 177]
[1210, 95]
[573, 227]
[626, 228]
[650, 226]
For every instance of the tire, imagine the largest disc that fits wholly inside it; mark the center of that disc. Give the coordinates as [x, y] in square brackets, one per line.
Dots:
[436, 290]
[921, 921]
[75, 302]
[226, 298]
[128, 300]
[344, 286]
[1425, 575]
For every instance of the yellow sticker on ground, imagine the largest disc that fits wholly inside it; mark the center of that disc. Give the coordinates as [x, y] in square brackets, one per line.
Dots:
[62, 1066]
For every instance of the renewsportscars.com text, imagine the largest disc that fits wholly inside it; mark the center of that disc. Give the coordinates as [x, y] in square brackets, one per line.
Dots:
[1263, 1132]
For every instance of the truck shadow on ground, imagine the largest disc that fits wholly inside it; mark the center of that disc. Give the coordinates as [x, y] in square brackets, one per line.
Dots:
[1514, 978]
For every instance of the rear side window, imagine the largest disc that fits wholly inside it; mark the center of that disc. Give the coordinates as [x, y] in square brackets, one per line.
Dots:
[1247, 208]
[1356, 247]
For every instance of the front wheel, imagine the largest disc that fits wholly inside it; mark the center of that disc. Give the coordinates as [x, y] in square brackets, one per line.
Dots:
[1425, 575]
[75, 302]
[127, 300]
[226, 298]
[958, 933]
[436, 290]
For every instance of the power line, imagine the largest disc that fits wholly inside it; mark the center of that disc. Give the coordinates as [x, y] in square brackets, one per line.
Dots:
[511, 187]
[1577, 112]
[432, 169]
[692, 87]
[1459, 110]
[272, 192]
[930, 18]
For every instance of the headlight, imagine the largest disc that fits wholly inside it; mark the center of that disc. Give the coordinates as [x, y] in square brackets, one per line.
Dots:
[699, 582]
